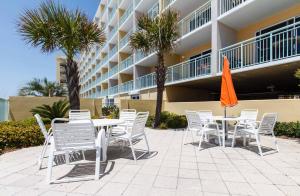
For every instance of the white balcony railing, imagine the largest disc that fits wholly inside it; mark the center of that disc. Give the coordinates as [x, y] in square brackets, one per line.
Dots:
[190, 69]
[114, 90]
[137, 2]
[126, 14]
[277, 45]
[112, 71]
[126, 63]
[113, 51]
[226, 5]
[125, 39]
[126, 86]
[146, 81]
[154, 10]
[196, 19]
[166, 3]
[104, 76]
[112, 13]
[112, 32]
[104, 93]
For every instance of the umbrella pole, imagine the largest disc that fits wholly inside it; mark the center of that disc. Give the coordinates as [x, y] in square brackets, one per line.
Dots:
[225, 123]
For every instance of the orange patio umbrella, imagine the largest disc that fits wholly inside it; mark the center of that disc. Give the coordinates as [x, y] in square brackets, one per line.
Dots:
[228, 97]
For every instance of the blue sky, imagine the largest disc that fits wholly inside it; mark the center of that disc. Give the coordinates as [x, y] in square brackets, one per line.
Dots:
[19, 62]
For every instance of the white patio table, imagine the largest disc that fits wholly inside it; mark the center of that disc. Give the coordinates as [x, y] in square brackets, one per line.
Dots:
[99, 124]
[224, 128]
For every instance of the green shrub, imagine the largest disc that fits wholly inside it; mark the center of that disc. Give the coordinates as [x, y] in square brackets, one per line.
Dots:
[19, 134]
[58, 109]
[290, 129]
[169, 120]
[110, 111]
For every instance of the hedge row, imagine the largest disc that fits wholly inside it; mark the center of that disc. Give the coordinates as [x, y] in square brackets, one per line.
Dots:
[169, 121]
[20, 134]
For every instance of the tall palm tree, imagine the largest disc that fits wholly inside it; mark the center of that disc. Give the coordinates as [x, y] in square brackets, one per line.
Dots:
[42, 87]
[53, 27]
[158, 35]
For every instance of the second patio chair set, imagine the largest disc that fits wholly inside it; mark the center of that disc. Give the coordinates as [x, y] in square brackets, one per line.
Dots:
[203, 124]
[80, 133]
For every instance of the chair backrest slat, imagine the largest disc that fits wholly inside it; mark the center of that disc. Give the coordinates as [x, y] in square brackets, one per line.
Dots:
[42, 125]
[79, 115]
[250, 115]
[128, 115]
[194, 121]
[73, 135]
[267, 123]
[205, 116]
[139, 123]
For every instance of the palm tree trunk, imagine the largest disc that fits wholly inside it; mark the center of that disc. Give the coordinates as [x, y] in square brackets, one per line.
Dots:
[160, 81]
[72, 76]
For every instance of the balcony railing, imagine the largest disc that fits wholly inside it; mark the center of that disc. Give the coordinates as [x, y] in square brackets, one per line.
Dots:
[137, 2]
[104, 60]
[226, 5]
[196, 19]
[104, 93]
[114, 90]
[113, 51]
[139, 56]
[125, 40]
[126, 63]
[166, 3]
[277, 45]
[154, 10]
[126, 14]
[113, 70]
[112, 13]
[112, 32]
[146, 81]
[126, 87]
[190, 69]
[104, 76]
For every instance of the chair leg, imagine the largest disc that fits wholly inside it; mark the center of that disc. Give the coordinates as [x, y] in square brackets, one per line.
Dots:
[42, 155]
[97, 169]
[146, 140]
[233, 137]
[200, 141]
[83, 155]
[132, 149]
[258, 144]
[185, 135]
[50, 165]
[244, 139]
[67, 157]
[275, 142]
[219, 137]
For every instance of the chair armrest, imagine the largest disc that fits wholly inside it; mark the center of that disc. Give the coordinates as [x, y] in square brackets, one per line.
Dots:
[213, 124]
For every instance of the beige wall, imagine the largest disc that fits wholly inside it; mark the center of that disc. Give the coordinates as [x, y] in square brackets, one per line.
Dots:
[139, 105]
[19, 107]
[250, 30]
[288, 110]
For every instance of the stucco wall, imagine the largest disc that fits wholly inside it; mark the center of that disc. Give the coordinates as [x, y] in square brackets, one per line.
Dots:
[139, 105]
[19, 107]
[288, 110]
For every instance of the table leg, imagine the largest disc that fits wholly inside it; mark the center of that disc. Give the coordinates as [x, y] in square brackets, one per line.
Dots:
[103, 144]
[224, 130]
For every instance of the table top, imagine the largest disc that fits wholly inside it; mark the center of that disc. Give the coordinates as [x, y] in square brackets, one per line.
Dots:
[227, 118]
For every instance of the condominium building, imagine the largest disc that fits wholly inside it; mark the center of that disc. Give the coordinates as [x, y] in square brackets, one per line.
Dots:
[261, 39]
[61, 78]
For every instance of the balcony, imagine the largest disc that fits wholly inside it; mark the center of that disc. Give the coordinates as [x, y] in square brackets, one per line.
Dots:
[104, 93]
[113, 70]
[112, 32]
[265, 50]
[146, 81]
[166, 3]
[114, 90]
[126, 87]
[198, 18]
[126, 63]
[112, 13]
[125, 40]
[113, 51]
[126, 14]
[139, 55]
[154, 10]
[104, 76]
[226, 5]
[189, 70]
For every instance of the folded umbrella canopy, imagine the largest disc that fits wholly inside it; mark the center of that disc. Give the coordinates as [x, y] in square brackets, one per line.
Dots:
[228, 97]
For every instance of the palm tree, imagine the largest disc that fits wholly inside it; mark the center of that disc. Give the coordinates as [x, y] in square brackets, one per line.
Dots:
[42, 87]
[158, 35]
[58, 109]
[52, 27]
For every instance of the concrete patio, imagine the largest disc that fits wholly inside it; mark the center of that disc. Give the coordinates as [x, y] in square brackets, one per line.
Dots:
[170, 169]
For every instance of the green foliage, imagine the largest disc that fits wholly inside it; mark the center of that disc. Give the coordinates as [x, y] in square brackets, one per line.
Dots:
[58, 109]
[19, 134]
[42, 87]
[297, 74]
[169, 120]
[110, 111]
[290, 129]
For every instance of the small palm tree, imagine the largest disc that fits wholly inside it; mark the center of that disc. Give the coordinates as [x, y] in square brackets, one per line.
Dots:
[53, 27]
[58, 109]
[42, 87]
[157, 35]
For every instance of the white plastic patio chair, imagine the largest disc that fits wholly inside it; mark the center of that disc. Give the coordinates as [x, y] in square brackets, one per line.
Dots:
[70, 137]
[248, 116]
[80, 115]
[266, 126]
[47, 135]
[128, 116]
[137, 131]
[201, 126]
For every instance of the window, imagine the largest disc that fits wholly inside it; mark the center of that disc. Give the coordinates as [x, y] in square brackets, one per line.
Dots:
[135, 97]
